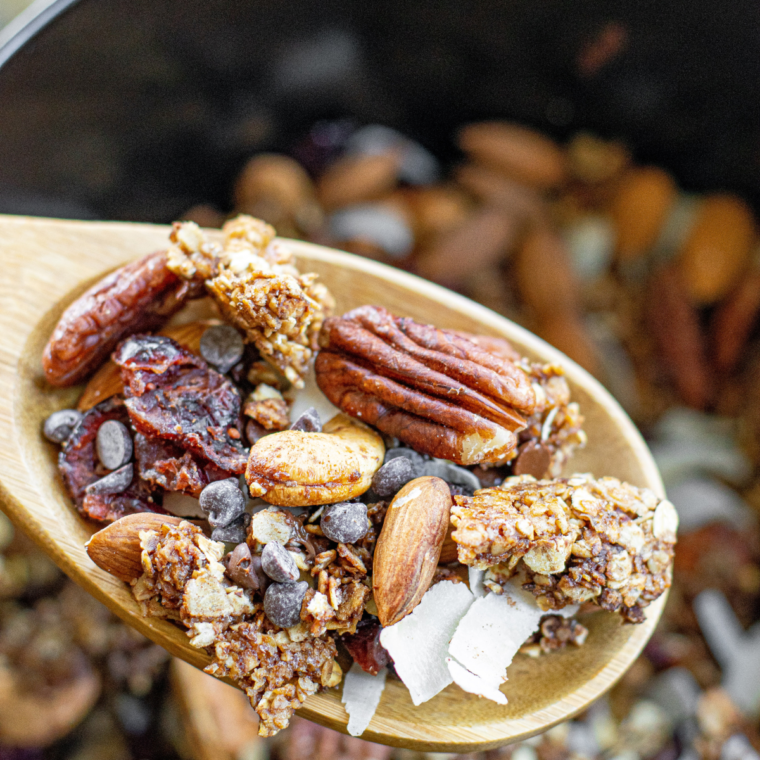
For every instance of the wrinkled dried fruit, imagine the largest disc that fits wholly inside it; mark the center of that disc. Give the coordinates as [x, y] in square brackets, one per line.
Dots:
[136, 297]
[79, 467]
[282, 603]
[59, 425]
[113, 444]
[278, 563]
[392, 476]
[407, 551]
[365, 648]
[308, 422]
[345, 523]
[434, 389]
[222, 347]
[222, 501]
[295, 469]
[173, 395]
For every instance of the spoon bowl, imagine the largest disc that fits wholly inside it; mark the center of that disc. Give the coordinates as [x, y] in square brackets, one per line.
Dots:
[48, 263]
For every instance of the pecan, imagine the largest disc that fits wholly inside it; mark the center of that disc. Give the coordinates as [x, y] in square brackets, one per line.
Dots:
[139, 296]
[436, 390]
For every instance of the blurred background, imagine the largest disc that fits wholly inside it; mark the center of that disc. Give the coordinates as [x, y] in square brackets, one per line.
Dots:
[589, 170]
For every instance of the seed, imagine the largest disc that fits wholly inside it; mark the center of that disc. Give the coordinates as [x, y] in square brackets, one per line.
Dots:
[345, 522]
[282, 603]
[278, 563]
[223, 502]
[235, 532]
[222, 346]
[308, 422]
[113, 444]
[59, 425]
[393, 476]
[115, 482]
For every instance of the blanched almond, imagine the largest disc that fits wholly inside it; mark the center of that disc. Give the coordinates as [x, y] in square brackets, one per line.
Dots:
[409, 547]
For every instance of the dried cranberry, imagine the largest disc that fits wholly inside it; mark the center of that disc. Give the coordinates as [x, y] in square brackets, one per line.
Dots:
[79, 467]
[172, 394]
[365, 648]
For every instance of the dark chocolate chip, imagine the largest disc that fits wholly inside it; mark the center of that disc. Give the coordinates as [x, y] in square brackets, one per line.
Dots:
[115, 482]
[59, 425]
[113, 444]
[254, 431]
[452, 473]
[282, 603]
[404, 451]
[222, 346]
[244, 569]
[533, 458]
[233, 533]
[223, 501]
[393, 476]
[344, 522]
[308, 422]
[278, 563]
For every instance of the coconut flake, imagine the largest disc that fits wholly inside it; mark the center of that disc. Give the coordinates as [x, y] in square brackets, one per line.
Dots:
[419, 642]
[474, 684]
[494, 628]
[475, 578]
[361, 696]
[310, 396]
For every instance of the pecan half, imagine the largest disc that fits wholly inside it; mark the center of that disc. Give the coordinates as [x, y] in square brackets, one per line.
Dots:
[137, 297]
[436, 390]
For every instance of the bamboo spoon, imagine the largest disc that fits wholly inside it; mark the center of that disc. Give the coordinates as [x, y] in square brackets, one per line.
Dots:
[47, 263]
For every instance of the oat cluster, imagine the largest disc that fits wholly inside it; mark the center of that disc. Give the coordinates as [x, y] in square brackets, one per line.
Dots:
[183, 579]
[254, 280]
[575, 540]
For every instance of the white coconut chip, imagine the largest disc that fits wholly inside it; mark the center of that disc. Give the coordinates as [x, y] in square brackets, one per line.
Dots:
[308, 396]
[419, 642]
[361, 696]
[475, 579]
[182, 505]
[492, 631]
[474, 684]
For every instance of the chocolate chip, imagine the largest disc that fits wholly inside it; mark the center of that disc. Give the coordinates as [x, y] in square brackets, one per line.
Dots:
[452, 473]
[345, 522]
[254, 431]
[308, 422]
[115, 482]
[113, 444]
[533, 458]
[403, 451]
[393, 476]
[282, 603]
[222, 347]
[244, 569]
[278, 563]
[233, 533]
[59, 425]
[222, 501]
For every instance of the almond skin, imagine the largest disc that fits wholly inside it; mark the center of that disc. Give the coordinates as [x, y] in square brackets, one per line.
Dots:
[409, 546]
[116, 548]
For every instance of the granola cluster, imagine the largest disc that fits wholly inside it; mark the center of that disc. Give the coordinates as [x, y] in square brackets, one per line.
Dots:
[574, 540]
[254, 281]
[184, 580]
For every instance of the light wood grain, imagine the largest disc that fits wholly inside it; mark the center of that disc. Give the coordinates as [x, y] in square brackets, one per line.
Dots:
[47, 263]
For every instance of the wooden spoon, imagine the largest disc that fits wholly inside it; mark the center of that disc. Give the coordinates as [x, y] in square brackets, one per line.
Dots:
[47, 263]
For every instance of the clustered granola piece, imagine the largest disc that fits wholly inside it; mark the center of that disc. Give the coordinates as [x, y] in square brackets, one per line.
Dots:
[575, 540]
[184, 579]
[555, 632]
[254, 281]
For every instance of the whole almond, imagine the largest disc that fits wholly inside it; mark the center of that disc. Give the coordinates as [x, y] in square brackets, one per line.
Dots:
[516, 152]
[106, 382]
[640, 207]
[409, 547]
[733, 321]
[116, 548]
[717, 252]
[357, 178]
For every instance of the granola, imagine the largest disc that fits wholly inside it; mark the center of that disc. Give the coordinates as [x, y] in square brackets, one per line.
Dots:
[254, 281]
[575, 540]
